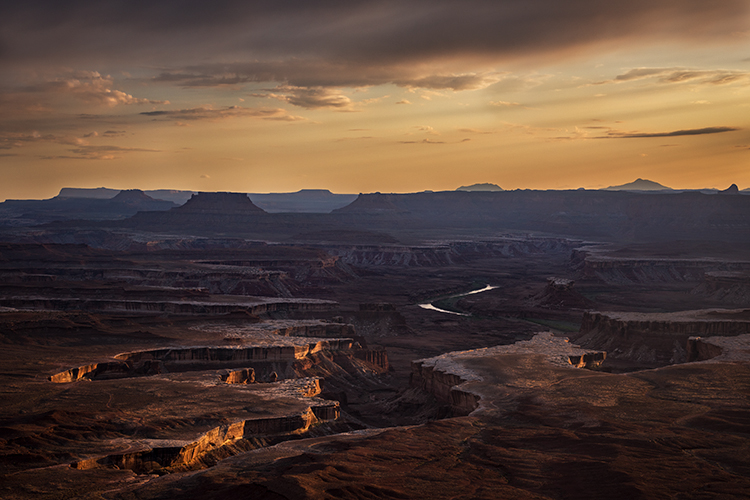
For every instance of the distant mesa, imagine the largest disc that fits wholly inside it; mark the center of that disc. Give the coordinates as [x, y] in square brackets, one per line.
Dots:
[219, 203]
[373, 202]
[639, 185]
[485, 186]
[132, 197]
[173, 195]
[303, 201]
[733, 189]
[100, 193]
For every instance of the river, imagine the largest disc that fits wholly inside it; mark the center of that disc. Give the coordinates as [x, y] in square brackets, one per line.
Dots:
[431, 307]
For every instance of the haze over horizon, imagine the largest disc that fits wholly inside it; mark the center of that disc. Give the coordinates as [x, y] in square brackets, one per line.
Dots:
[373, 96]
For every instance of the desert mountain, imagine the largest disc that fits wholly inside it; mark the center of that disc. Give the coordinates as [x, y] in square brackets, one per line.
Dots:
[639, 185]
[484, 186]
[733, 189]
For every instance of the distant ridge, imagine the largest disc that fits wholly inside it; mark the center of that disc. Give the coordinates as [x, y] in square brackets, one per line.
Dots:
[639, 185]
[484, 186]
[102, 193]
[302, 201]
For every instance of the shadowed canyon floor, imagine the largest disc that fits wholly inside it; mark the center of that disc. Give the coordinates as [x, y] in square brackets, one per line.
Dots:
[138, 365]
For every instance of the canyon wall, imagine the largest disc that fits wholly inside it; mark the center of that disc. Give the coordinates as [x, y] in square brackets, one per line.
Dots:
[654, 339]
[263, 360]
[224, 438]
[161, 307]
[614, 270]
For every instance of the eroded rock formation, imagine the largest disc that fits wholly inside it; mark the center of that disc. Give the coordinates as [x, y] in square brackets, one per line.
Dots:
[449, 378]
[656, 339]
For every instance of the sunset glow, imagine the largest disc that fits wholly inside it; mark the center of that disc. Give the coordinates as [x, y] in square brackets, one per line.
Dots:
[373, 96]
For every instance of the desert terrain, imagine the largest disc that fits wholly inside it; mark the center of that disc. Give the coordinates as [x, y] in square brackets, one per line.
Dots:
[217, 350]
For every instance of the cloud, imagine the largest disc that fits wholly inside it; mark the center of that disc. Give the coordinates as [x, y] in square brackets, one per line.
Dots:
[309, 98]
[504, 104]
[475, 131]
[681, 75]
[470, 81]
[99, 153]
[214, 114]
[10, 140]
[90, 87]
[423, 141]
[696, 131]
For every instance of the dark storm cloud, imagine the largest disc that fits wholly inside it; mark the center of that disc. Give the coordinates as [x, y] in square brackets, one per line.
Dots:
[336, 43]
[676, 133]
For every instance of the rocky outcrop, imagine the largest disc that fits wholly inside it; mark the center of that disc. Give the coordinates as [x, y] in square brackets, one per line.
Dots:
[103, 370]
[654, 339]
[226, 438]
[560, 294]
[244, 376]
[375, 356]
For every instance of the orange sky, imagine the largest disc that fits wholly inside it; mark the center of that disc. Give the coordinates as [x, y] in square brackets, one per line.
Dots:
[373, 96]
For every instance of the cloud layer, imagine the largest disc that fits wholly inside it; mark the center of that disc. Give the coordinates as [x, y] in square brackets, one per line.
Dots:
[342, 43]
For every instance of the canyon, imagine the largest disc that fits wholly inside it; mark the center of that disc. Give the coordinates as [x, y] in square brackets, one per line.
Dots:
[215, 350]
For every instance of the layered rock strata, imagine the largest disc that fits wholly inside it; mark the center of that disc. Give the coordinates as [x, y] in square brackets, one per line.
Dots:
[613, 270]
[657, 339]
[222, 441]
[277, 359]
[259, 306]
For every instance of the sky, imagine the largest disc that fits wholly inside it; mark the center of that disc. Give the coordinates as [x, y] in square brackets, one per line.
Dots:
[364, 96]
